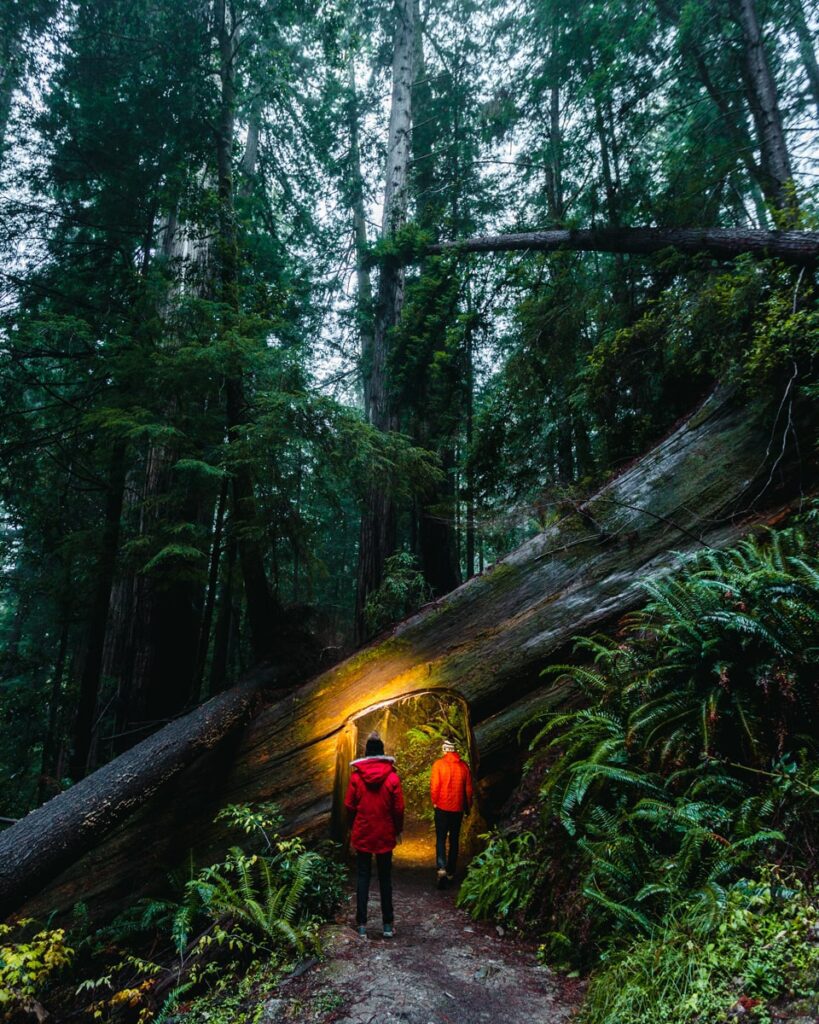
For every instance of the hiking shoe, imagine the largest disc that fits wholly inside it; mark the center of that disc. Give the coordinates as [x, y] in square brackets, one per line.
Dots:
[362, 931]
[388, 931]
[441, 878]
[450, 878]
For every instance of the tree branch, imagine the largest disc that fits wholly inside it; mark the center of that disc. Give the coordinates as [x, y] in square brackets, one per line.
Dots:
[801, 247]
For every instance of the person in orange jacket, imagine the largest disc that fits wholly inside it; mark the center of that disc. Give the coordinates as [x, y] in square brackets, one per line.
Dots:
[450, 787]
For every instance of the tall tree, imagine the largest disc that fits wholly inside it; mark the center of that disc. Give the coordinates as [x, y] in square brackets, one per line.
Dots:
[764, 104]
[378, 519]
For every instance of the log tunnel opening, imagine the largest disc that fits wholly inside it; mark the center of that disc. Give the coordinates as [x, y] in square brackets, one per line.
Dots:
[412, 727]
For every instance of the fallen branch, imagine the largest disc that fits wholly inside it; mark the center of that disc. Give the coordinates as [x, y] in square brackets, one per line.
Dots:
[800, 247]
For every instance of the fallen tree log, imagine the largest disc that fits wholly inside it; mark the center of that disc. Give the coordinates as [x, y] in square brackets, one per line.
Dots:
[50, 838]
[723, 470]
[800, 247]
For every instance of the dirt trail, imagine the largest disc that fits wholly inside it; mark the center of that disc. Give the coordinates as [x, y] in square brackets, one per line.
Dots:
[441, 967]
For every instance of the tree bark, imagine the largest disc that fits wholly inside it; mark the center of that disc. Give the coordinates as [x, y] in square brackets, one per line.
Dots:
[378, 520]
[554, 173]
[224, 624]
[364, 288]
[44, 842]
[799, 247]
[764, 105]
[438, 531]
[210, 596]
[49, 783]
[84, 722]
[159, 660]
[262, 613]
[705, 485]
[469, 385]
[731, 113]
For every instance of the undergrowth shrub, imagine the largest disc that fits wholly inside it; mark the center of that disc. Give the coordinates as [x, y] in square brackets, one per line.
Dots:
[262, 901]
[762, 947]
[248, 916]
[692, 764]
[499, 881]
[30, 957]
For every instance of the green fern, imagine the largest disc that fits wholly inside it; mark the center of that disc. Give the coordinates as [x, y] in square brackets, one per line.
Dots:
[695, 757]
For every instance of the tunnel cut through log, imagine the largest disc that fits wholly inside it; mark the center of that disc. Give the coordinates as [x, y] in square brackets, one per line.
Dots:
[392, 719]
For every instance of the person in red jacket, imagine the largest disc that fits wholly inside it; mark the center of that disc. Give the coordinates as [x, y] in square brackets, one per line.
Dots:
[450, 787]
[375, 805]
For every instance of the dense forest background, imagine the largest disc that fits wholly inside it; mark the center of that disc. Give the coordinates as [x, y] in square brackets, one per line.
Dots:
[246, 415]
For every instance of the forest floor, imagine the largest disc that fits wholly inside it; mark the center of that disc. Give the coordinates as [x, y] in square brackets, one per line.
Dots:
[440, 968]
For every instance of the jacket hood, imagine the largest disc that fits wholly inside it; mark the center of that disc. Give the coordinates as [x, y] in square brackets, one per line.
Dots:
[373, 770]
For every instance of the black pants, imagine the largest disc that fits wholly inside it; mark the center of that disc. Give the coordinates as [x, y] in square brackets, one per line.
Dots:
[364, 867]
[447, 823]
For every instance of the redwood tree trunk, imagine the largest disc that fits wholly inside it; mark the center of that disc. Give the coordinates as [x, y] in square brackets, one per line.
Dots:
[378, 520]
[764, 105]
[44, 842]
[84, 722]
[261, 611]
[364, 288]
[210, 596]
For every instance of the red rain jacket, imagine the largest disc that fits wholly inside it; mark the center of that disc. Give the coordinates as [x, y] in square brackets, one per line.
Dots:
[375, 802]
[450, 784]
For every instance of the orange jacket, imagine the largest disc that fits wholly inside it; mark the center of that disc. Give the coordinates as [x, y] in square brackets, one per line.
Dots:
[450, 784]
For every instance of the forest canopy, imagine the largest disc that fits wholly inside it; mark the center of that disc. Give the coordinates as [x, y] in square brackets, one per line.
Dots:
[256, 407]
[441, 367]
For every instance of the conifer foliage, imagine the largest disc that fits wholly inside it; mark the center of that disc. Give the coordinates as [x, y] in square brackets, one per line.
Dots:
[253, 408]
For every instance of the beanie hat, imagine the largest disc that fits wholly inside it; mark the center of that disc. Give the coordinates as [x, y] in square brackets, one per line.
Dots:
[375, 745]
[449, 746]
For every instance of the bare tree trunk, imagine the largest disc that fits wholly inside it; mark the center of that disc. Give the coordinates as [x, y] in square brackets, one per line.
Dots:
[84, 723]
[470, 427]
[49, 783]
[224, 624]
[210, 596]
[262, 613]
[767, 117]
[436, 511]
[378, 520]
[438, 531]
[250, 157]
[364, 288]
[731, 115]
[605, 163]
[554, 174]
[565, 450]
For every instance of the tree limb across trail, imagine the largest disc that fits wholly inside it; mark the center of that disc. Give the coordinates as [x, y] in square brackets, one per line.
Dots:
[114, 836]
[799, 247]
